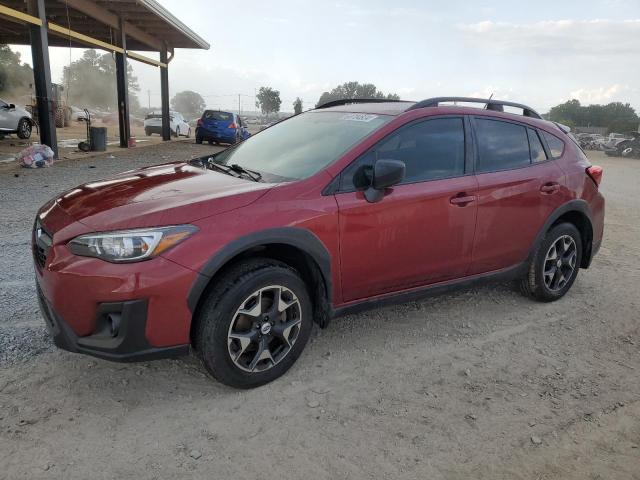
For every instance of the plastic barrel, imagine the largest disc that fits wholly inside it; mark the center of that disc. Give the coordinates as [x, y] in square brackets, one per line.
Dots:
[98, 138]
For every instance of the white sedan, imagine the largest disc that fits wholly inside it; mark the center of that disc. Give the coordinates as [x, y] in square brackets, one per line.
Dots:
[15, 120]
[179, 127]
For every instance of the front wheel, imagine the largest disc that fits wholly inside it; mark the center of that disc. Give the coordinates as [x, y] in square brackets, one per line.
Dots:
[254, 324]
[189, 133]
[24, 129]
[554, 266]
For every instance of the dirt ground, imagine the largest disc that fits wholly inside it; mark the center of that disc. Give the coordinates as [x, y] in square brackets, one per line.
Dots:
[481, 384]
[69, 137]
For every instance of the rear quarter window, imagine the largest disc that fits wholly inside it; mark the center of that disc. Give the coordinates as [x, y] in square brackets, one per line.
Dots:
[556, 146]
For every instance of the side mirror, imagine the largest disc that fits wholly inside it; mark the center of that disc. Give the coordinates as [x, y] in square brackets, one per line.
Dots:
[11, 106]
[386, 173]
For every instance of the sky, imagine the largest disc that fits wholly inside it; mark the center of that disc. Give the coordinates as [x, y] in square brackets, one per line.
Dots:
[540, 53]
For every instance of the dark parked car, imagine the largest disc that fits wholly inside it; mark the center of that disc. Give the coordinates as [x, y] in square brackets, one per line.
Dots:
[221, 127]
[345, 207]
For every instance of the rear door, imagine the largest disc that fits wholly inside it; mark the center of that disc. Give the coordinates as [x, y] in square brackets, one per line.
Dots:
[421, 232]
[519, 186]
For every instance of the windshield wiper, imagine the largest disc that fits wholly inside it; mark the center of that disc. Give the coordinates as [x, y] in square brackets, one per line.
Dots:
[255, 176]
[236, 169]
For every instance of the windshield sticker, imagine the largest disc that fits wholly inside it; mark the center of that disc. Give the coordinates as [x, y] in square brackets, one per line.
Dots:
[359, 117]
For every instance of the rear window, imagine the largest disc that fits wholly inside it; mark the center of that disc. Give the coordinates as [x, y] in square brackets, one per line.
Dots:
[556, 146]
[214, 115]
[501, 145]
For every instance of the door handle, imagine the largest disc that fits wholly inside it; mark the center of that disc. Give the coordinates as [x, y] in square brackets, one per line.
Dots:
[550, 187]
[462, 199]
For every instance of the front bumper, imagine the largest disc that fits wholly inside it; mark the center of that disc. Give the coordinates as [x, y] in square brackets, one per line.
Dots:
[126, 343]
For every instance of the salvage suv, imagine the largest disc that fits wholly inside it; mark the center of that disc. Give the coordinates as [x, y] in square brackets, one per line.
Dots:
[352, 205]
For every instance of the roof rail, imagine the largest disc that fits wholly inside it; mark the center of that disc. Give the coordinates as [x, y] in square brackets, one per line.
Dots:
[345, 101]
[490, 104]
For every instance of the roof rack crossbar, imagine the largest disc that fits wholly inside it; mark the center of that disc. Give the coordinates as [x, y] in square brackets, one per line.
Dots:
[490, 104]
[346, 101]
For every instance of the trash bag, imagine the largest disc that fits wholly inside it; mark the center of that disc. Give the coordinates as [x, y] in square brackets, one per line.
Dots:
[36, 156]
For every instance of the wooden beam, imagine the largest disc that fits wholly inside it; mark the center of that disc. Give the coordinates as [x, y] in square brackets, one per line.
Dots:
[111, 19]
[55, 28]
[19, 16]
[143, 59]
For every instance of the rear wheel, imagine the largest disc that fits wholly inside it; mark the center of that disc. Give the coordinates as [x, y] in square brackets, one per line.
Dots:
[254, 324]
[24, 128]
[210, 142]
[147, 132]
[554, 266]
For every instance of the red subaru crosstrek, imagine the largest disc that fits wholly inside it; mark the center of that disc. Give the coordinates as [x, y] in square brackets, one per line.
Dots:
[352, 205]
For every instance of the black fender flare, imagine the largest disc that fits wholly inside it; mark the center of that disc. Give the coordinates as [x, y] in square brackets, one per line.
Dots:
[299, 238]
[577, 205]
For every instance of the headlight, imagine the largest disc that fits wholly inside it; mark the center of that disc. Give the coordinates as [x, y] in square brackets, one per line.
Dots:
[130, 245]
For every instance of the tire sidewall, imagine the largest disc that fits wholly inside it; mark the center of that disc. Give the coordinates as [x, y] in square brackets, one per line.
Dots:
[553, 235]
[214, 347]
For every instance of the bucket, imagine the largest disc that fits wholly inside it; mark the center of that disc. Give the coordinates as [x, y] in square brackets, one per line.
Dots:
[98, 138]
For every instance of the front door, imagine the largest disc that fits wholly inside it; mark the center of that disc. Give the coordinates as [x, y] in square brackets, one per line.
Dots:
[422, 231]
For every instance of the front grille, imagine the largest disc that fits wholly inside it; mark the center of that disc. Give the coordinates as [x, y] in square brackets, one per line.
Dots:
[42, 241]
[39, 255]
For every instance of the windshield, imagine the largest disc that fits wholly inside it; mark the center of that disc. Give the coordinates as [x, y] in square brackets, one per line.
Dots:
[302, 145]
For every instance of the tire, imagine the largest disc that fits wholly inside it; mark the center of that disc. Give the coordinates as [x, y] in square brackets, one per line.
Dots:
[24, 128]
[189, 133]
[557, 282]
[198, 139]
[219, 319]
[210, 142]
[177, 133]
[147, 132]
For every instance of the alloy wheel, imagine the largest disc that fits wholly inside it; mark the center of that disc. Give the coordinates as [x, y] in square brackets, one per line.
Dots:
[560, 263]
[264, 328]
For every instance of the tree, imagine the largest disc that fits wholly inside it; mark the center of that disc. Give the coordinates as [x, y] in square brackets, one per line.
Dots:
[91, 82]
[297, 106]
[615, 116]
[268, 100]
[355, 90]
[15, 76]
[190, 104]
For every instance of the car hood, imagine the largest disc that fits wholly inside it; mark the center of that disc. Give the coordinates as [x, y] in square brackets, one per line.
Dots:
[159, 195]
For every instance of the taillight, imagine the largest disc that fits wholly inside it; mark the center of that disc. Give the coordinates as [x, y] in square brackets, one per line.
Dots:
[233, 125]
[595, 173]
[199, 122]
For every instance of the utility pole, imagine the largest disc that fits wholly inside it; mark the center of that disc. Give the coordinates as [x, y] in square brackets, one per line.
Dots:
[239, 104]
[149, 98]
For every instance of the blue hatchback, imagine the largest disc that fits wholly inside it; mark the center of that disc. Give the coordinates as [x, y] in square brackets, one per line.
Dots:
[221, 127]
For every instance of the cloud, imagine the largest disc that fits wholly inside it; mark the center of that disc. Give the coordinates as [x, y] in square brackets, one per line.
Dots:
[558, 37]
[599, 95]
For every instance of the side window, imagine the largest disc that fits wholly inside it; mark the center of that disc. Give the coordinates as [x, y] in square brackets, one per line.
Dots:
[431, 149]
[501, 145]
[535, 145]
[556, 146]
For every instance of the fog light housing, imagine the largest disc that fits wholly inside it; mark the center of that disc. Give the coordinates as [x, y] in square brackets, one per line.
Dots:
[113, 320]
